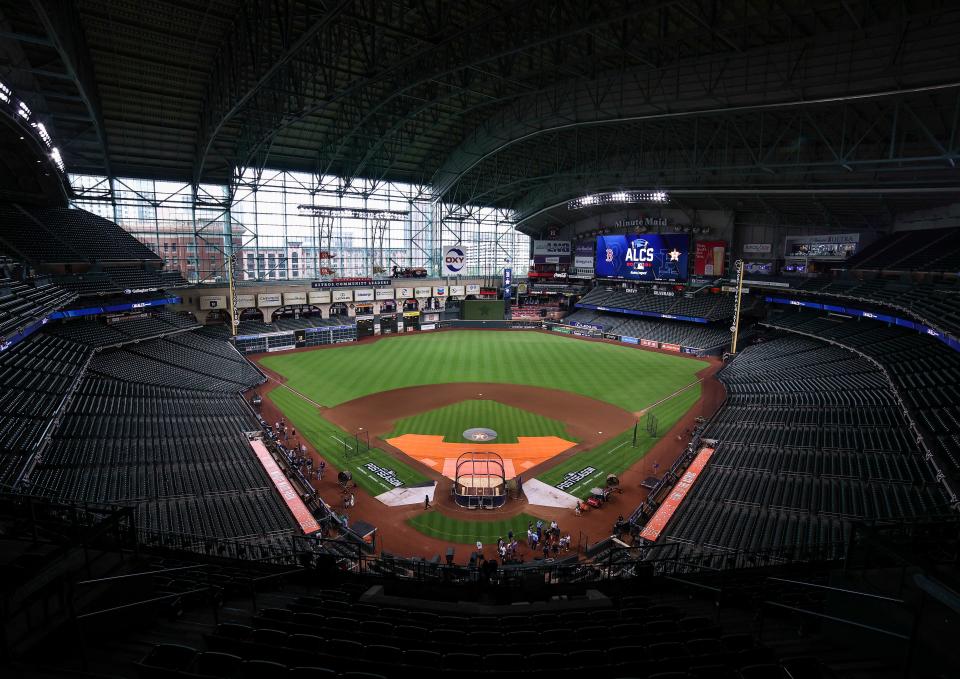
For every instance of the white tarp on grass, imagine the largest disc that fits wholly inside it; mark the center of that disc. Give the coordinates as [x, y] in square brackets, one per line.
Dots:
[539, 493]
[407, 495]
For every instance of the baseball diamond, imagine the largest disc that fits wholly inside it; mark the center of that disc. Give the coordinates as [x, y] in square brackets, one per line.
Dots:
[552, 409]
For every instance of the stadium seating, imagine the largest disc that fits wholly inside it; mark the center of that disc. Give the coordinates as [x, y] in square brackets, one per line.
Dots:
[37, 377]
[335, 632]
[66, 235]
[937, 303]
[96, 239]
[160, 425]
[700, 304]
[121, 280]
[23, 237]
[810, 438]
[97, 333]
[925, 372]
[290, 323]
[21, 303]
[694, 335]
[167, 363]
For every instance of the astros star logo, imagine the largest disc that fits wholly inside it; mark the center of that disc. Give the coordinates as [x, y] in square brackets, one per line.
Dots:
[674, 255]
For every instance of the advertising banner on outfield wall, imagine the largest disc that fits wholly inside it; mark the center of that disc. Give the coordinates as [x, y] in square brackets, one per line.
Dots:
[319, 297]
[670, 347]
[244, 301]
[440, 291]
[473, 289]
[458, 290]
[384, 293]
[213, 302]
[342, 296]
[652, 344]
[269, 299]
[757, 248]
[404, 293]
[363, 295]
[422, 291]
[294, 298]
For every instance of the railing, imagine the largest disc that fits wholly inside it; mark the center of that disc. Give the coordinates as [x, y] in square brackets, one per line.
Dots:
[928, 456]
[614, 560]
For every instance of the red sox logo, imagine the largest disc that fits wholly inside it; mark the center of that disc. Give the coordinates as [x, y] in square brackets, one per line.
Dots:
[609, 254]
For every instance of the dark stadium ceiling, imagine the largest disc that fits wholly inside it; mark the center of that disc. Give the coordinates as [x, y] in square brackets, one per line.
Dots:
[802, 111]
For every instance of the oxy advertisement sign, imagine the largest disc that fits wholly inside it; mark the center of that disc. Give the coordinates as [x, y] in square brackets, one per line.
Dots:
[454, 260]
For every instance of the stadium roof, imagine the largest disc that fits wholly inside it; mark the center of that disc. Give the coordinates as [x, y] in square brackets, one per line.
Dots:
[762, 105]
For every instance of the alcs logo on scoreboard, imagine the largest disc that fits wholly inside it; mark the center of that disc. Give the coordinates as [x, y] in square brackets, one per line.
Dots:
[639, 252]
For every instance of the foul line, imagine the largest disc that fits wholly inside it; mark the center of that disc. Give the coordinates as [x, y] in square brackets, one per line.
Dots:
[585, 482]
[291, 389]
[667, 398]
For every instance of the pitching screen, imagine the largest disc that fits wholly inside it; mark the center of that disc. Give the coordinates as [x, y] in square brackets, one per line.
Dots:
[643, 257]
[482, 310]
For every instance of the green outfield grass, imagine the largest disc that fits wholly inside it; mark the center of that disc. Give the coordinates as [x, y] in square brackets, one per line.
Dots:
[340, 448]
[621, 375]
[618, 454]
[449, 529]
[451, 421]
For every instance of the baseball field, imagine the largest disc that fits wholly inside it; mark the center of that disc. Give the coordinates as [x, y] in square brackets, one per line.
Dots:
[568, 411]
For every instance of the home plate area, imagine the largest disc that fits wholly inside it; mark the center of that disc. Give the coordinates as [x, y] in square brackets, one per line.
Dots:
[518, 457]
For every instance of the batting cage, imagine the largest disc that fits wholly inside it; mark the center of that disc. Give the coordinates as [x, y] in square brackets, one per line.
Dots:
[480, 481]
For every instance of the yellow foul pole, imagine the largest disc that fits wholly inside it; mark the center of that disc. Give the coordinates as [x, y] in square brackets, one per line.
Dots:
[735, 328]
[232, 309]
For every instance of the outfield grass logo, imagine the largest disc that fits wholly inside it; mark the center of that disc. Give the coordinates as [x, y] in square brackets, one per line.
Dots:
[387, 475]
[573, 478]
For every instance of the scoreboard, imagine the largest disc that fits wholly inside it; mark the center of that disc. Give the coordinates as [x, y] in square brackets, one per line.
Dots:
[643, 257]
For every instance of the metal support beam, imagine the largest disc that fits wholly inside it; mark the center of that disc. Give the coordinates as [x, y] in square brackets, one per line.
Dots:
[65, 33]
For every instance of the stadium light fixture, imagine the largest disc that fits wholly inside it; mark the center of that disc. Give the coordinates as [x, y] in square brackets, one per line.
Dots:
[57, 159]
[619, 197]
[21, 110]
[42, 131]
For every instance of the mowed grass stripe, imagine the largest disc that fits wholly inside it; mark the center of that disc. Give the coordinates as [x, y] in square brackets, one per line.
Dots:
[460, 531]
[329, 440]
[618, 454]
[621, 375]
[451, 421]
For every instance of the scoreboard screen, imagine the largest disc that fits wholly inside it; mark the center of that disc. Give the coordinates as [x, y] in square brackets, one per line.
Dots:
[643, 257]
